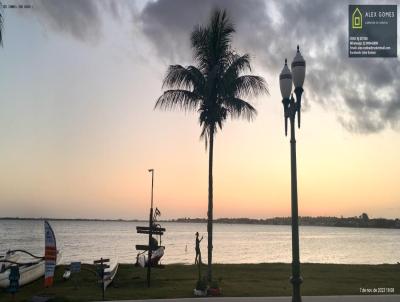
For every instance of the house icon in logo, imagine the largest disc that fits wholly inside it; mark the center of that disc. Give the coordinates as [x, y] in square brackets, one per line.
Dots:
[356, 19]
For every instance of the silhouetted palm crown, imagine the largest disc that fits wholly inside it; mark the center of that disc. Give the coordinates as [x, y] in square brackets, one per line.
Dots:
[216, 87]
[1, 28]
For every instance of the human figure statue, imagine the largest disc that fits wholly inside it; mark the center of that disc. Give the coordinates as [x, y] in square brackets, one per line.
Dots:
[154, 243]
[197, 260]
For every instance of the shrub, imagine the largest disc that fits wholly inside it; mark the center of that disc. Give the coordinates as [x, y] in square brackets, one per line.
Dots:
[214, 284]
[201, 284]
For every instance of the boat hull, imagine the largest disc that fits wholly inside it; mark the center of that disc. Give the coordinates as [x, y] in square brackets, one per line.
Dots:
[27, 274]
[110, 274]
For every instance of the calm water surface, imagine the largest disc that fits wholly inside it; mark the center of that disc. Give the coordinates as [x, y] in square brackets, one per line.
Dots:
[237, 243]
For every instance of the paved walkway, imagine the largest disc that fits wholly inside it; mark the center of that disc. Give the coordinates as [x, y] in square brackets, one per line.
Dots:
[366, 298]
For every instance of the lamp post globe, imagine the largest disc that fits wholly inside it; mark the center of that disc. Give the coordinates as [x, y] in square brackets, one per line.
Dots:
[298, 69]
[285, 81]
[299, 73]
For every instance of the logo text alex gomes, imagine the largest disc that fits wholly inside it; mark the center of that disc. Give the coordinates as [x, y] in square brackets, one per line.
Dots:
[374, 14]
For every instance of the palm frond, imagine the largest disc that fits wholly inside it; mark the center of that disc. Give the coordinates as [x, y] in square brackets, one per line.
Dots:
[179, 77]
[221, 31]
[206, 133]
[236, 65]
[249, 85]
[240, 108]
[178, 98]
[212, 44]
[199, 41]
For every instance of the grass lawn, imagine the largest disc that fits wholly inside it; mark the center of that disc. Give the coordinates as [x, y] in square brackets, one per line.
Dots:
[175, 281]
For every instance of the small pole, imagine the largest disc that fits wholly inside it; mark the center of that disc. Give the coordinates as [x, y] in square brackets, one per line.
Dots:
[152, 186]
[150, 230]
[199, 267]
[102, 276]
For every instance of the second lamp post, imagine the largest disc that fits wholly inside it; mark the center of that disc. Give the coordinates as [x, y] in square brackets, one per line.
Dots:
[292, 107]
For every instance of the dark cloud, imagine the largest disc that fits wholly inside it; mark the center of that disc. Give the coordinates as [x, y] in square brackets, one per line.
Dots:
[82, 19]
[78, 18]
[169, 23]
[365, 93]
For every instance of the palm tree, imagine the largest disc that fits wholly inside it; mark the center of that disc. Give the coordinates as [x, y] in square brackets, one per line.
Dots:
[215, 88]
[1, 24]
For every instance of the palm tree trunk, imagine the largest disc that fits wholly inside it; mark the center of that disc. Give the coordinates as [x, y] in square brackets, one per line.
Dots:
[210, 205]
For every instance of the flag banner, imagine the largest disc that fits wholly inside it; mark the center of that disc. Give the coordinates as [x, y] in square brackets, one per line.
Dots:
[50, 254]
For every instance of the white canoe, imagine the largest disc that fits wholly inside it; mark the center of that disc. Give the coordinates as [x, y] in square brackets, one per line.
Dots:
[27, 273]
[110, 273]
[155, 257]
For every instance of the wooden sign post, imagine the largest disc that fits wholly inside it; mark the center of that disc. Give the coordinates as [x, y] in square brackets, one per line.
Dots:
[101, 266]
[150, 243]
[74, 268]
[14, 280]
[152, 229]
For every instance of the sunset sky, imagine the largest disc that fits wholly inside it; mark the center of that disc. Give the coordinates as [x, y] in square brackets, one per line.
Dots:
[78, 84]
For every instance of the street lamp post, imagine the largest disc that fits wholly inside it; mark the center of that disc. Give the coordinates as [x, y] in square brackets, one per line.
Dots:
[291, 107]
[150, 229]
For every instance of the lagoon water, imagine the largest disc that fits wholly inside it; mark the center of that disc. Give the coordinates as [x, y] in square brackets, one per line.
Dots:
[233, 243]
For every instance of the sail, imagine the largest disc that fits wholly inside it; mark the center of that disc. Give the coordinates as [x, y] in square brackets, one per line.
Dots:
[50, 254]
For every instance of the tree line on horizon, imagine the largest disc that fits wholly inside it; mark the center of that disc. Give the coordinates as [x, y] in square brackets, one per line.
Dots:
[362, 221]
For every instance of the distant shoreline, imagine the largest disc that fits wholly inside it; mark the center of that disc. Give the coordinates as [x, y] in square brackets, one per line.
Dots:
[70, 219]
[355, 222]
[352, 222]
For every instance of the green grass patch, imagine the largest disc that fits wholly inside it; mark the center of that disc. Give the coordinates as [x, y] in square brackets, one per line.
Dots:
[178, 281]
